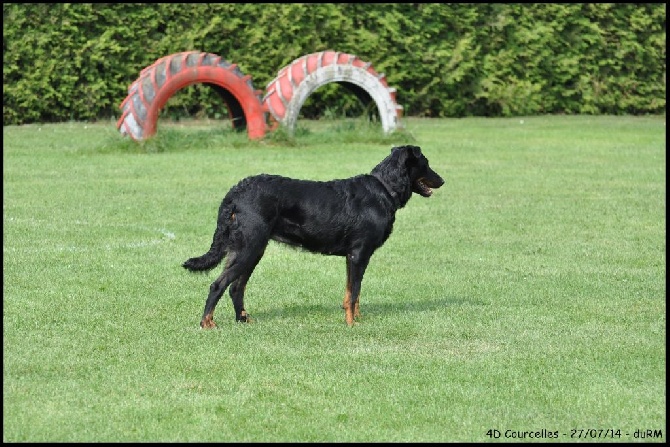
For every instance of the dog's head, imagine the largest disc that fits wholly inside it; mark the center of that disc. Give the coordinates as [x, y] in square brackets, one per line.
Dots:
[422, 177]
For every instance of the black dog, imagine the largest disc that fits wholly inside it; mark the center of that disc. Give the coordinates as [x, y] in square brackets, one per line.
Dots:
[351, 217]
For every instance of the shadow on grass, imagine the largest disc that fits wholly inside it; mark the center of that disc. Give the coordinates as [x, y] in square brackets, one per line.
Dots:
[409, 307]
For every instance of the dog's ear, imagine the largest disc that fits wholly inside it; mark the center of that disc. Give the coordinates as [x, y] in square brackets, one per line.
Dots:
[409, 150]
[406, 155]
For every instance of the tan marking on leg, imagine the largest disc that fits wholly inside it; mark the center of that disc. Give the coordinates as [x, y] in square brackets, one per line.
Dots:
[207, 322]
[348, 312]
[349, 316]
[347, 298]
[346, 304]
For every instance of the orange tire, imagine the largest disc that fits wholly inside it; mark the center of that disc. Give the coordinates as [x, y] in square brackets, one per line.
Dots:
[158, 82]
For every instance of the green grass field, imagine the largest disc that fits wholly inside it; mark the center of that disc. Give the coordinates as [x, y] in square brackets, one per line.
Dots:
[525, 298]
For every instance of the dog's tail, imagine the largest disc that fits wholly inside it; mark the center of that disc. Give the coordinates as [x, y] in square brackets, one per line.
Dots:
[217, 251]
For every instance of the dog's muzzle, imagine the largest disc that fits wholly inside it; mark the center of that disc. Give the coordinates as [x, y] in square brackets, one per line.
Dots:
[424, 186]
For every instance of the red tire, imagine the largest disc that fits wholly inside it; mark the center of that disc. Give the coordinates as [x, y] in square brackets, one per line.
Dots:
[286, 94]
[159, 81]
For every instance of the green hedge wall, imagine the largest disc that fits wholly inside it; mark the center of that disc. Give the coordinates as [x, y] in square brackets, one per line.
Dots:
[75, 61]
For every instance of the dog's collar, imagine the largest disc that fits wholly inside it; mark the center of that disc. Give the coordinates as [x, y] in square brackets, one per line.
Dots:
[387, 187]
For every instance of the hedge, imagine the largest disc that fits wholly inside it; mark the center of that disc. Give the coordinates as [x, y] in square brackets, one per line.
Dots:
[75, 61]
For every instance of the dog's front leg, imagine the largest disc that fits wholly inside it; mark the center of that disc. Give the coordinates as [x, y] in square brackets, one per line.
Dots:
[356, 265]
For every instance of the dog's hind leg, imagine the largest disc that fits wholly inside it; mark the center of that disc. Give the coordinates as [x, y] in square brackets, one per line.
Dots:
[236, 274]
[237, 288]
[356, 265]
[248, 245]
[228, 276]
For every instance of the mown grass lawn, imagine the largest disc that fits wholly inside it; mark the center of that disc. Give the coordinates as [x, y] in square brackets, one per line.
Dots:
[526, 296]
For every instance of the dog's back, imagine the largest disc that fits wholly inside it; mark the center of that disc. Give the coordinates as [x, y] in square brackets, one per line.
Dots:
[323, 217]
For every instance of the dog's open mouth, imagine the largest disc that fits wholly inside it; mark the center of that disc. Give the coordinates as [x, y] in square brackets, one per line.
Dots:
[423, 188]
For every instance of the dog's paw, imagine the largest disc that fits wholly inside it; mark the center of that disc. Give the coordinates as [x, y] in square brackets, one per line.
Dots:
[244, 318]
[207, 323]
